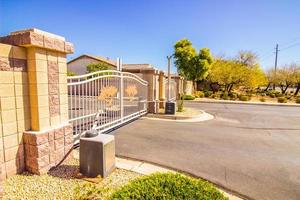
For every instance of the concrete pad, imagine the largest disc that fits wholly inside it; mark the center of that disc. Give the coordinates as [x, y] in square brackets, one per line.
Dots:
[146, 168]
[199, 118]
[127, 164]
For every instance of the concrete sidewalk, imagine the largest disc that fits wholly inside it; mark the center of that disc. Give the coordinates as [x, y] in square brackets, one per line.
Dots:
[147, 168]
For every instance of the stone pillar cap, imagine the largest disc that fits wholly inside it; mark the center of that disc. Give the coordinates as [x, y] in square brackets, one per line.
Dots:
[37, 38]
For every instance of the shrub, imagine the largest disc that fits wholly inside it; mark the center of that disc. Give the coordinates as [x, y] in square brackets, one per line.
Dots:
[94, 67]
[215, 96]
[244, 98]
[249, 96]
[225, 96]
[208, 93]
[70, 73]
[233, 96]
[281, 100]
[180, 105]
[263, 94]
[298, 100]
[262, 99]
[187, 97]
[278, 95]
[199, 94]
[272, 95]
[167, 186]
[288, 96]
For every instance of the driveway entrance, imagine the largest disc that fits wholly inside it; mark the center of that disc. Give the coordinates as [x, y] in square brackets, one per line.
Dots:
[253, 150]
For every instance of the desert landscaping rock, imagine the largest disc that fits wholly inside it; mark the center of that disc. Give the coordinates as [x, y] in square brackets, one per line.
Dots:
[61, 183]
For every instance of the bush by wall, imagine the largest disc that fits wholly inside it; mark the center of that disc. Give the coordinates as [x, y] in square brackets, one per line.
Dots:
[298, 100]
[187, 97]
[168, 186]
[281, 100]
[180, 105]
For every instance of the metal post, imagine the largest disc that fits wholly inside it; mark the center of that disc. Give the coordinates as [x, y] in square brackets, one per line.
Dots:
[170, 106]
[121, 89]
[169, 77]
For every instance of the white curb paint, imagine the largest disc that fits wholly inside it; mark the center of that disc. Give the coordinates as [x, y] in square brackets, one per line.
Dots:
[147, 168]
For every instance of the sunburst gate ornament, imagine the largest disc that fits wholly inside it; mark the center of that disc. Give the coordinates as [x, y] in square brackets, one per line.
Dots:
[107, 94]
[131, 91]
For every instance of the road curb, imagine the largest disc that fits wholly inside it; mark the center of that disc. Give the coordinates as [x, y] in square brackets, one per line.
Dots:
[146, 168]
[244, 103]
[204, 116]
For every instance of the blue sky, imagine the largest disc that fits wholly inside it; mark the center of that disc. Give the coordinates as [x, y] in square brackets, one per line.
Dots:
[145, 31]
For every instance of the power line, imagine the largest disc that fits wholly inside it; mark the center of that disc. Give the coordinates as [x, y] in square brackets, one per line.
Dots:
[290, 42]
[267, 56]
[293, 45]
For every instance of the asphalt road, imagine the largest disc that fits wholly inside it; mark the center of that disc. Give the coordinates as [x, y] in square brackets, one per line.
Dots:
[252, 150]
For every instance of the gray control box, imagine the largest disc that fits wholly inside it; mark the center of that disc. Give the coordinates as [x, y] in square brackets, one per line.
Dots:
[97, 155]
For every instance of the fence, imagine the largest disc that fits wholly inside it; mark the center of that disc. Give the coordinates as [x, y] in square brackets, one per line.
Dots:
[173, 89]
[105, 99]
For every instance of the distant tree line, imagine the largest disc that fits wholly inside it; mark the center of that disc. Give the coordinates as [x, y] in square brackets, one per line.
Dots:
[242, 71]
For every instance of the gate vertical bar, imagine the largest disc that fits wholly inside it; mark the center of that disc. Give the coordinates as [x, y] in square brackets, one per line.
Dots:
[121, 89]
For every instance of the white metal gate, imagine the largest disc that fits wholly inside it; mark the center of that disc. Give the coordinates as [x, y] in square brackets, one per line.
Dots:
[105, 99]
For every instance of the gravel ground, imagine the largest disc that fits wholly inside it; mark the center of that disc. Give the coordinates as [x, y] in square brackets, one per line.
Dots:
[63, 182]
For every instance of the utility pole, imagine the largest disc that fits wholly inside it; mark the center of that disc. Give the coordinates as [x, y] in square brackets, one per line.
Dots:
[276, 57]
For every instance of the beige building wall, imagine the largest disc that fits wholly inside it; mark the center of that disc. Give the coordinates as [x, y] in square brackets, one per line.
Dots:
[78, 66]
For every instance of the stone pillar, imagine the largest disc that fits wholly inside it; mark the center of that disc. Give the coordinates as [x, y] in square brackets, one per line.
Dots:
[150, 76]
[188, 87]
[50, 137]
[179, 86]
[162, 89]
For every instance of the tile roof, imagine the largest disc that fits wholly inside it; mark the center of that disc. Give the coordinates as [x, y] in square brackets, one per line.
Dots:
[99, 58]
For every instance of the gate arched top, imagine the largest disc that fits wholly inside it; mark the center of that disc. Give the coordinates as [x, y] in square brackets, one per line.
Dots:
[74, 80]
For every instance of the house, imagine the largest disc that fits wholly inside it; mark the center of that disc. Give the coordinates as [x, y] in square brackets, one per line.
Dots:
[78, 65]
